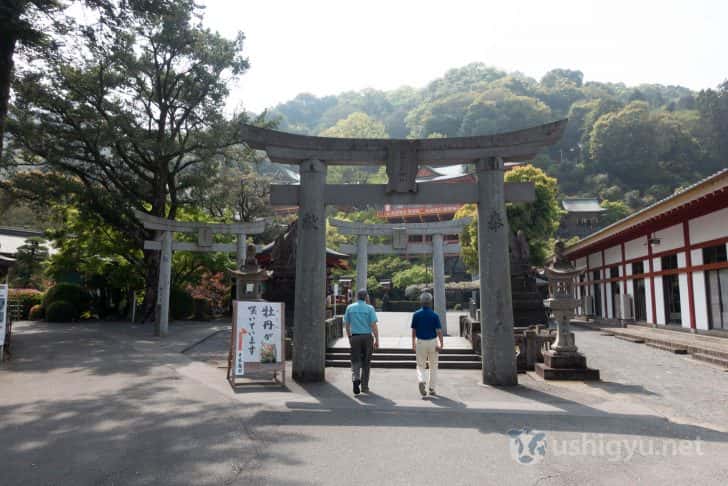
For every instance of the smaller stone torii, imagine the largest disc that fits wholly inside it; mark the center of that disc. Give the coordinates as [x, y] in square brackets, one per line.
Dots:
[400, 245]
[165, 243]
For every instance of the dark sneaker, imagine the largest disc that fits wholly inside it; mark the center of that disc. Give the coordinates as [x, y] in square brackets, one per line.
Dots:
[422, 389]
[432, 391]
[356, 387]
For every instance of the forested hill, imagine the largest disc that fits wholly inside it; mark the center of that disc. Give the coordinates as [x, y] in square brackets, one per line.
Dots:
[635, 144]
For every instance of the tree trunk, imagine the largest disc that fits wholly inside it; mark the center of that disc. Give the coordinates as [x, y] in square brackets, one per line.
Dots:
[7, 49]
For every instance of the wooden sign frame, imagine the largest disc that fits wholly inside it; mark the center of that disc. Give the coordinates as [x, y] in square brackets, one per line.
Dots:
[276, 368]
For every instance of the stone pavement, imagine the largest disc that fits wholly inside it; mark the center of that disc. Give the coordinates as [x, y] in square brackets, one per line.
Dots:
[102, 404]
[699, 345]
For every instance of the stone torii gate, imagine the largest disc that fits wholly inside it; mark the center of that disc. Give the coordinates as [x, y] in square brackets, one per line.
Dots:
[400, 245]
[165, 243]
[402, 159]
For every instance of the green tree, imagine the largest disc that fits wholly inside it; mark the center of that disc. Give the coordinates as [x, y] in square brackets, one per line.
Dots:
[501, 111]
[615, 210]
[29, 260]
[127, 112]
[356, 125]
[20, 25]
[417, 274]
[539, 220]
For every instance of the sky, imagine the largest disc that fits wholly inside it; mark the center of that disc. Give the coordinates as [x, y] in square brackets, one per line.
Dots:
[326, 47]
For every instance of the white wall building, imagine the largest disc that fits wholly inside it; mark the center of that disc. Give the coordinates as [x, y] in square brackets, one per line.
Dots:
[665, 264]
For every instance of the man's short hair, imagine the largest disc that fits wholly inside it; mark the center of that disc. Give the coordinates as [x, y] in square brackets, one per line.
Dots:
[426, 299]
[362, 294]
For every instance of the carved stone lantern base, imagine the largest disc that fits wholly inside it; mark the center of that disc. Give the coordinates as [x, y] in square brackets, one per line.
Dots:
[565, 366]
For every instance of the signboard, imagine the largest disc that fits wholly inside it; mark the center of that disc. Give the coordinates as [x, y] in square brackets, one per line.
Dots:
[3, 312]
[257, 337]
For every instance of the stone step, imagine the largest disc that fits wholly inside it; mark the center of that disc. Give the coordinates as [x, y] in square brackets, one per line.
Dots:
[402, 351]
[406, 357]
[451, 365]
[631, 339]
[667, 347]
[707, 358]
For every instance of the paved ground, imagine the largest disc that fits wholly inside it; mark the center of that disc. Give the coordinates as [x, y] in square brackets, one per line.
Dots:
[104, 404]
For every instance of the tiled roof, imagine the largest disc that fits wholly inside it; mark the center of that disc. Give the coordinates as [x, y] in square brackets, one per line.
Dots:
[582, 205]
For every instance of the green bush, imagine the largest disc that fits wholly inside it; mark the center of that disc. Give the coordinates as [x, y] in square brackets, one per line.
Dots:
[181, 304]
[203, 309]
[61, 311]
[27, 298]
[37, 312]
[457, 307]
[71, 293]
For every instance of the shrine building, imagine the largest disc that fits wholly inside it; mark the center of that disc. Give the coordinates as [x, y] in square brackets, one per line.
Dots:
[665, 264]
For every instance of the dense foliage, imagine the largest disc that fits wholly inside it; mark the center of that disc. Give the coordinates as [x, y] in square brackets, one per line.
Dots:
[635, 144]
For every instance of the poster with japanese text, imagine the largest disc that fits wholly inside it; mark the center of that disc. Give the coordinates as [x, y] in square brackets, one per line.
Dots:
[258, 337]
[3, 311]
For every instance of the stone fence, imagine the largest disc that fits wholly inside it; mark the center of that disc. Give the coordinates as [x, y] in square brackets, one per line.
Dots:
[334, 329]
[530, 341]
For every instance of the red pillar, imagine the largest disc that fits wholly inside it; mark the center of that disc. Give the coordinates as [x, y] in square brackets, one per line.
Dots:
[652, 280]
[689, 265]
[604, 287]
[624, 272]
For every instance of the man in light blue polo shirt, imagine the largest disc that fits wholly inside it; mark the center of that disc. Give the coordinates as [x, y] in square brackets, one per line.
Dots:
[361, 322]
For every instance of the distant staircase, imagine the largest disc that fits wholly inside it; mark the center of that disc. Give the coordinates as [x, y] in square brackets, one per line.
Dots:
[450, 358]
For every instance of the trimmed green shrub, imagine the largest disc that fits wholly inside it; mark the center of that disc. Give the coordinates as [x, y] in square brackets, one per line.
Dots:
[27, 298]
[61, 311]
[203, 309]
[37, 312]
[71, 293]
[181, 304]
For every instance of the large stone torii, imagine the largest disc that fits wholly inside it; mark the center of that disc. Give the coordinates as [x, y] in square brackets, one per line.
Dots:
[400, 245]
[403, 158]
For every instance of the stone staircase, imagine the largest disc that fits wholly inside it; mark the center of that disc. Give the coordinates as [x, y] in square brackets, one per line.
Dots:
[450, 358]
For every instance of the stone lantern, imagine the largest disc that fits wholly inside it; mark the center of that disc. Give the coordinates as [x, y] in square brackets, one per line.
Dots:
[249, 279]
[563, 361]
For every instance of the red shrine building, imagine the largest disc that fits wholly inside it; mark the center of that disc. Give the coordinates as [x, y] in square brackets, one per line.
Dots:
[665, 264]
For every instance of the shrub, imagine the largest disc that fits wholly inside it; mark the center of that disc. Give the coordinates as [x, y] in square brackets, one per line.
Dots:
[181, 304]
[27, 298]
[71, 293]
[457, 307]
[61, 311]
[37, 312]
[202, 309]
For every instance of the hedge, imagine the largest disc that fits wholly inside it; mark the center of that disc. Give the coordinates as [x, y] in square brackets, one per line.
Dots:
[181, 304]
[37, 312]
[70, 293]
[61, 311]
[27, 299]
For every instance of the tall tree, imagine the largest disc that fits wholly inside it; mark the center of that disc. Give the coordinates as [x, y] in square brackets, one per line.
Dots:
[18, 26]
[127, 113]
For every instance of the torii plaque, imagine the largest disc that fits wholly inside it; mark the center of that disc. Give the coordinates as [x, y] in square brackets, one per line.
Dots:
[402, 158]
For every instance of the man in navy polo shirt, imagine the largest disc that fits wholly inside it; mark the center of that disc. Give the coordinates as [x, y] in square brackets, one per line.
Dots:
[361, 322]
[426, 331]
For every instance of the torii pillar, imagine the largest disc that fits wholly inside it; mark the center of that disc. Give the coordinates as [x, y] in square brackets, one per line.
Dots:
[496, 304]
[362, 262]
